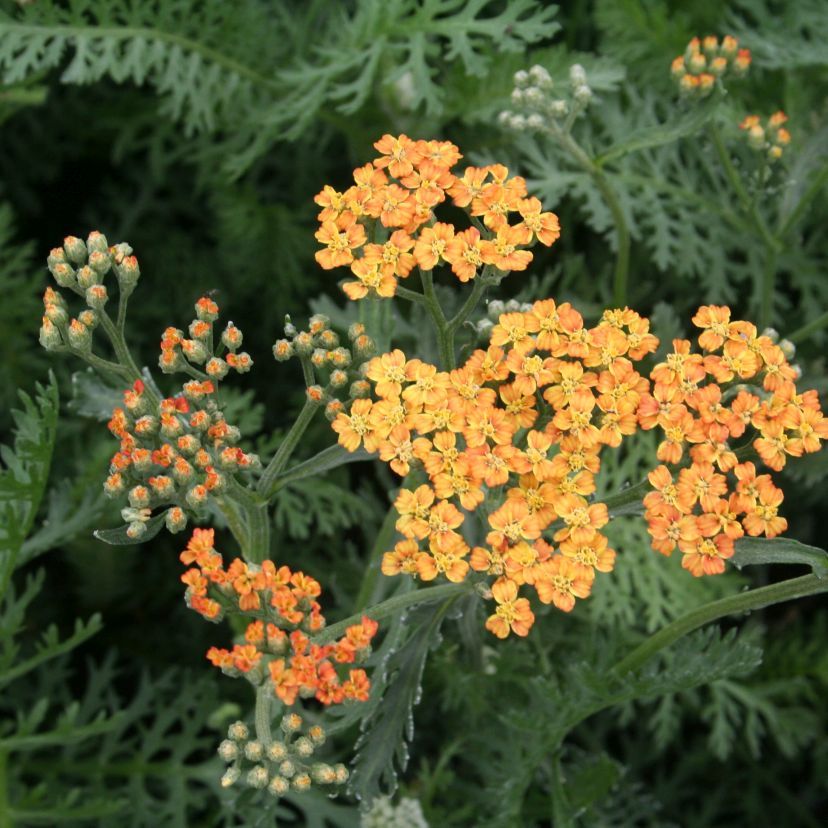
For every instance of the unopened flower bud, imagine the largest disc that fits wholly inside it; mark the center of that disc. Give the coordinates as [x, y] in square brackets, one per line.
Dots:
[278, 786]
[96, 297]
[291, 723]
[75, 249]
[128, 274]
[139, 497]
[341, 773]
[231, 337]
[57, 255]
[582, 94]
[718, 66]
[756, 137]
[316, 394]
[540, 77]
[558, 108]
[277, 751]
[136, 529]
[96, 243]
[521, 78]
[356, 330]
[535, 121]
[301, 782]
[339, 357]
[339, 379]
[100, 262]
[87, 277]
[282, 350]
[317, 735]
[518, 96]
[328, 340]
[577, 75]
[114, 485]
[231, 776]
[216, 368]
[50, 337]
[176, 520]
[364, 346]
[303, 343]
[323, 774]
[729, 46]
[319, 357]
[504, 118]
[518, 123]
[80, 337]
[303, 747]
[774, 153]
[254, 750]
[64, 274]
[318, 323]
[333, 409]
[89, 318]
[238, 731]
[359, 389]
[206, 309]
[287, 768]
[495, 308]
[194, 350]
[533, 97]
[512, 306]
[228, 750]
[788, 349]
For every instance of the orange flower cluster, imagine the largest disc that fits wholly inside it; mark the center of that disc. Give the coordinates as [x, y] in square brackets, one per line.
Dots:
[177, 350]
[277, 643]
[700, 404]
[772, 137]
[706, 60]
[517, 433]
[173, 454]
[384, 225]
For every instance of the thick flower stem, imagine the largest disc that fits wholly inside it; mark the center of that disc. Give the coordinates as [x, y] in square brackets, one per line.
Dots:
[445, 337]
[264, 713]
[743, 602]
[286, 448]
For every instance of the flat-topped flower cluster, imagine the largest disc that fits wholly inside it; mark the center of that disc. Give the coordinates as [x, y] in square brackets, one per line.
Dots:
[384, 225]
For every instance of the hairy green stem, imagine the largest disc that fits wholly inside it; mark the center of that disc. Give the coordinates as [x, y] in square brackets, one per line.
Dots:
[481, 282]
[263, 715]
[258, 533]
[622, 230]
[742, 602]
[411, 296]
[392, 606]
[768, 281]
[445, 338]
[286, 448]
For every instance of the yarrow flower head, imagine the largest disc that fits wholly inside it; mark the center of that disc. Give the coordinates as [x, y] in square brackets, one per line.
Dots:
[706, 61]
[385, 225]
[740, 382]
[514, 434]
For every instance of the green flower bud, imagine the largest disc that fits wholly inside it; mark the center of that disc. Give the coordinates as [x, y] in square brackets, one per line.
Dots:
[87, 277]
[79, 335]
[287, 769]
[89, 318]
[176, 520]
[278, 786]
[238, 732]
[64, 274]
[50, 337]
[301, 782]
[282, 350]
[75, 249]
[254, 751]
[228, 750]
[291, 723]
[323, 774]
[277, 751]
[303, 747]
[96, 297]
[231, 776]
[100, 262]
[96, 243]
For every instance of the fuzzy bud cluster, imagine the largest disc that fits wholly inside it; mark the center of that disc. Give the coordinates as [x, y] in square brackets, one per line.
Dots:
[538, 105]
[769, 137]
[336, 366]
[180, 353]
[282, 765]
[707, 60]
[82, 267]
[173, 454]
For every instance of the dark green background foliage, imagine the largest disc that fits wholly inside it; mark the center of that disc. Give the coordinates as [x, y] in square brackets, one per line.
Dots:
[199, 131]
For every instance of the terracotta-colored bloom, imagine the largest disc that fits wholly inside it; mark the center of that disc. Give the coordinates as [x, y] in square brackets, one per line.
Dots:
[512, 614]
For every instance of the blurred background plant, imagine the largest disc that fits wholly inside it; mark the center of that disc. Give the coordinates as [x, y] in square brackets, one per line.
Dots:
[202, 136]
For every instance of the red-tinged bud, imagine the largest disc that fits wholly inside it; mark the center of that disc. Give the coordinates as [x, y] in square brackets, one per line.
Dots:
[356, 330]
[200, 421]
[96, 243]
[142, 459]
[217, 368]
[231, 337]
[202, 459]
[697, 63]
[64, 274]
[56, 313]
[114, 485]
[316, 394]
[340, 357]
[364, 346]
[136, 530]
[333, 409]
[677, 69]
[163, 486]
[188, 444]
[170, 361]
[359, 389]
[282, 350]
[171, 426]
[197, 496]
[75, 249]
[328, 340]
[195, 390]
[146, 426]
[100, 262]
[242, 362]
[128, 274]
[710, 45]
[319, 358]
[319, 323]
[182, 471]
[80, 337]
[206, 309]
[120, 252]
[137, 520]
[706, 84]
[741, 62]
[730, 46]
[718, 66]
[50, 337]
[89, 318]
[139, 497]
[200, 330]
[176, 519]
[194, 350]
[96, 297]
